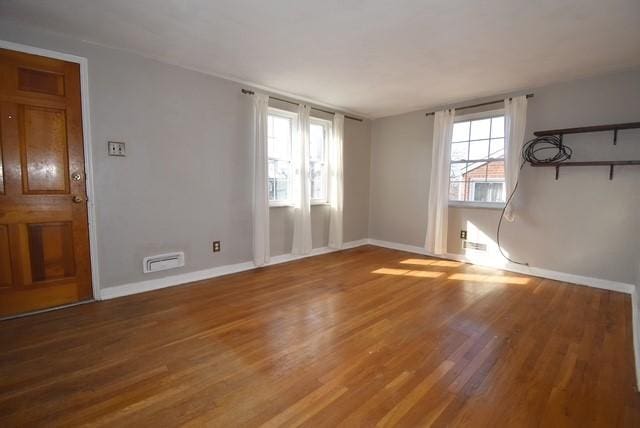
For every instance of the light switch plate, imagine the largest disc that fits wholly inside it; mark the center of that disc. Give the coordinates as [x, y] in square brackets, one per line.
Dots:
[116, 148]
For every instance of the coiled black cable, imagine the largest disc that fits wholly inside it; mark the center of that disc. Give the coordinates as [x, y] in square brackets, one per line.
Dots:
[552, 144]
[531, 152]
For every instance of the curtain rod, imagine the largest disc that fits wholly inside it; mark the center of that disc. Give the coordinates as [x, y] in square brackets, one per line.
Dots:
[488, 103]
[248, 92]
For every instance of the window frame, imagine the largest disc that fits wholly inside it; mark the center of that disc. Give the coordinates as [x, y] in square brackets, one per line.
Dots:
[475, 204]
[327, 125]
[272, 111]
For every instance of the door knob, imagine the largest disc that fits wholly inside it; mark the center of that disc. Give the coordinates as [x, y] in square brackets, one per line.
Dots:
[78, 199]
[76, 176]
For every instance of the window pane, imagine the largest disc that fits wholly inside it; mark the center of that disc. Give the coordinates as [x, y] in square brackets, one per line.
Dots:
[457, 191]
[279, 141]
[270, 131]
[496, 171]
[488, 192]
[282, 128]
[271, 171]
[460, 131]
[278, 179]
[459, 151]
[457, 170]
[497, 148]
[317, 181]
[480, 129]
[282, 190]
[476, 172]
[497, 127]
[316, 142]
[479, 149]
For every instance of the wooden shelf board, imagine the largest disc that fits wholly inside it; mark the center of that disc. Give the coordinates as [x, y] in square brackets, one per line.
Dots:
[585, 129]
[588, 163]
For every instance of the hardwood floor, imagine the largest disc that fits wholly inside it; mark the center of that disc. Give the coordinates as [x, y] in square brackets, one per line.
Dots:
[363, 337]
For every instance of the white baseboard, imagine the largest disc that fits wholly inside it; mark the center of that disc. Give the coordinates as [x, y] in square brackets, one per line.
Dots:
[354, 244]
[512, 267]
[184, 278]
[399, 247]
[170, 281]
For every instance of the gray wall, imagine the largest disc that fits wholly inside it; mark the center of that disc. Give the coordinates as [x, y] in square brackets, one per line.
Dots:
[187, 177]
[186, 180]
[582, 224]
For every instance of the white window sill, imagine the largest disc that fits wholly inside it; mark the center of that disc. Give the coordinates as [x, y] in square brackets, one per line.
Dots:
[280, 204]
[290, 205]
[470, 204]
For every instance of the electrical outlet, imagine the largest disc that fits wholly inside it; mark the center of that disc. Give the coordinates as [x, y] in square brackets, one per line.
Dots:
[216, 246]
[116, 148]
[463, 234]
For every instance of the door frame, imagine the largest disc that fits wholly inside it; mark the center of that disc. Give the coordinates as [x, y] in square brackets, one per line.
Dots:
[86, 139]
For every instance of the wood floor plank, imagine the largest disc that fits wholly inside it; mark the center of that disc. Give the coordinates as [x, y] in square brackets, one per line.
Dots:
[362, 337]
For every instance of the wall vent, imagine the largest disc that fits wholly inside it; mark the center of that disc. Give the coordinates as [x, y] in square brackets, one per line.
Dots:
[162, 262]
[474, 246]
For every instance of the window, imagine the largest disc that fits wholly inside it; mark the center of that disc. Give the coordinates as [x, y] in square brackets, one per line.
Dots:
[477, 160]
[280, 136]
[281, 132]
[318, 147]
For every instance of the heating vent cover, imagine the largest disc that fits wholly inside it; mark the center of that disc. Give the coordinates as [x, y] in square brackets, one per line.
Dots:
[162, 262]
[474, 246]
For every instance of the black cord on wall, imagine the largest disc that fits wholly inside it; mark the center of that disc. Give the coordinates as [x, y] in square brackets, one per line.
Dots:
[533, 153]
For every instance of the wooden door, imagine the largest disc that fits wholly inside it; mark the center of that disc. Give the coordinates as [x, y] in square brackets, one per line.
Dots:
[44, 241]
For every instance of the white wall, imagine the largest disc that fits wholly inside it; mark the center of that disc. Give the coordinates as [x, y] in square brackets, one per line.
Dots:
[186, 179]
[582, 224]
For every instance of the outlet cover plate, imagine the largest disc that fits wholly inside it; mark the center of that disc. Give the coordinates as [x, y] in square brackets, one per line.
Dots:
[116, 148]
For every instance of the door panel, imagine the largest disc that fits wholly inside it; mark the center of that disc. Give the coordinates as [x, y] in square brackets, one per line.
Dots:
[44, 239]
[43, 149]
[51, 251]
[5, 257]
[40, 81]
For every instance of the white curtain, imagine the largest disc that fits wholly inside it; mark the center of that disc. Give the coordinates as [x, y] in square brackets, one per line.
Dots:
[260, 190]
[302, 185]
[515, 119]
[336, 185]
[436, 242]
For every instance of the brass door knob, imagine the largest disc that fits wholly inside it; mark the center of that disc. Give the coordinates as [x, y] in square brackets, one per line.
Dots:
[78, 199]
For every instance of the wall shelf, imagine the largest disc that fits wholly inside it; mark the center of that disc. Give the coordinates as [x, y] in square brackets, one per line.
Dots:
[584, 129]
[610, 164]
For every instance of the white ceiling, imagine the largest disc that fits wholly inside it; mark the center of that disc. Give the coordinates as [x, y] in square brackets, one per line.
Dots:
[374, 57]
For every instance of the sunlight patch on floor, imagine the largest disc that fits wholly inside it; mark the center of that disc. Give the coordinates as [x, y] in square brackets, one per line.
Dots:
[427, 262]
[496, 279]
[406, 272]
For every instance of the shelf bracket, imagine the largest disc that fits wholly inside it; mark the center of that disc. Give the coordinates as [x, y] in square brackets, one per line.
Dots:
[557, 172]
[615, 137]
[610, 172]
